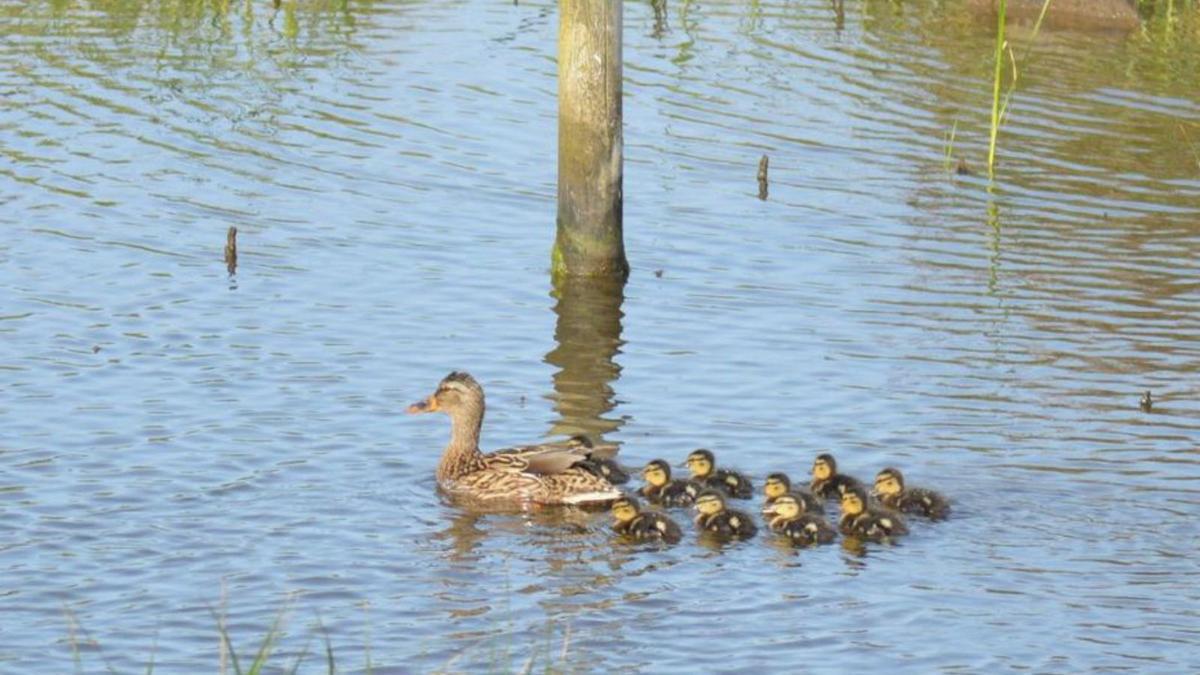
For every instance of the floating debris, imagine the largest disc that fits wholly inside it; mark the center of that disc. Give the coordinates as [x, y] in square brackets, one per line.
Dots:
[763, 165]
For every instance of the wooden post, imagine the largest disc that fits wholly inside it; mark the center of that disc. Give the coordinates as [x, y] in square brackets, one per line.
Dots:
[589, 241]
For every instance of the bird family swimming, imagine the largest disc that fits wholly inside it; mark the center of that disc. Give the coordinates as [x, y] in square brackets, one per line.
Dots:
[580, 472]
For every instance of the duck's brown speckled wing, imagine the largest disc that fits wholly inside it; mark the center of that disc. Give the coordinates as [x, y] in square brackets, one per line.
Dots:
[539, 459]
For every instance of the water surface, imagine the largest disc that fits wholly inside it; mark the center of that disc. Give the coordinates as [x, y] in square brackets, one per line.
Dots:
[176, 443]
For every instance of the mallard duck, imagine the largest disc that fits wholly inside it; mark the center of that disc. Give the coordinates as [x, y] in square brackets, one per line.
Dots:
[827, 483]
[549, 473]
[890, 491]
[660, 489]
[704, 470]
[802, 529]
[778, 485]
[718, 520]
[858, 520]
[643, 525]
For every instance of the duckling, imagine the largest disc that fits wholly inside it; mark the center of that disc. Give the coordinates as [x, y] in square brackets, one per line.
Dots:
[827, 483]
[890, 490]
[802, 529]
[778, 485]
[660, 489]
[597, 462]
[723, 522]
[704, 470]
[641, 525]
[858, 520]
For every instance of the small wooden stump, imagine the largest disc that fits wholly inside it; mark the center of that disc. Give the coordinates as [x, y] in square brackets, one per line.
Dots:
[763, 166]
[231, 251]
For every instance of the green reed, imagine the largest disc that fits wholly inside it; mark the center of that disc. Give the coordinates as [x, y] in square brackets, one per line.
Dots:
[999, 104]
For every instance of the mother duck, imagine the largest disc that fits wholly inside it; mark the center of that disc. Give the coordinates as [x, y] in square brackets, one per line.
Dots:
[548, 473]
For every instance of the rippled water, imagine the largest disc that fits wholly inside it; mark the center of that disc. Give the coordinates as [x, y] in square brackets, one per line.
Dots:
[177, 444]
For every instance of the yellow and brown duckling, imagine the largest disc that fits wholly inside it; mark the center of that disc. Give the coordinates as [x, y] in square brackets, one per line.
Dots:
[704, 470]
[549, 473]
[802, 529]
[599, 459]
[633, 522]
[827, 483]
[891, 492]
[778, 485]
[860, 520]
[662, 490]
[714, 518]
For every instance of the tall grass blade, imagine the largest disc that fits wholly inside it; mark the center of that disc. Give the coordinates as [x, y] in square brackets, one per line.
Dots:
[268, 643]
[1001, 11]
[226, 643]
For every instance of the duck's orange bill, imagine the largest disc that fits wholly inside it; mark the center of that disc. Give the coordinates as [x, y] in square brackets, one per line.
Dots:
[428, 405]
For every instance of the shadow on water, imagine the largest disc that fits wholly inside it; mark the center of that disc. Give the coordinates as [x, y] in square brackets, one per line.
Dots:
[588, 337]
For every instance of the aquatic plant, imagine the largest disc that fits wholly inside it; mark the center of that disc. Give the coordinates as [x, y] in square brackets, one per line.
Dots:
[1000, 106]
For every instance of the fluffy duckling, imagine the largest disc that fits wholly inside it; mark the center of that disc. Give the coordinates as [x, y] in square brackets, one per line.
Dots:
[597, 462]
[802, 529]
[660, 489]
[634, 523]
[858, 520]
[704, 470]
[827, 483]
[890, 490]
[778, 485]
[723, 522]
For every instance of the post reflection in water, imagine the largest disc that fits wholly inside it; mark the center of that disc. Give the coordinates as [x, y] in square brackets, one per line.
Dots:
[588, 337]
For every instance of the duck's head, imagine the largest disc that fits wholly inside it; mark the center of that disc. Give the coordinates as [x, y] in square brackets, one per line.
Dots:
[777, 485]
[701, 463]
[710, 502]
[625, 509]
[824, 467]
[657, 473]
[854, 501]
[889, 482]
[456, 391]
[787, 507]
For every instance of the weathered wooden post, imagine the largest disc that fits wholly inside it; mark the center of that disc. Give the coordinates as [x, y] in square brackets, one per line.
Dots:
[589, 241]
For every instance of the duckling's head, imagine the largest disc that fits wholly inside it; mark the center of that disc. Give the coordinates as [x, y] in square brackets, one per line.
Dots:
[824, 467]
[456, 391]
[787, 507]
[701, 463]
[580, 441]
[854, 501]
[657, 473]
[625, 509]
[889, 482]
[777, 485]
[710, 502]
